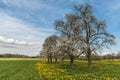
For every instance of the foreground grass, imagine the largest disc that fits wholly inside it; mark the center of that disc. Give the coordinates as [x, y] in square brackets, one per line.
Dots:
[18, 69]
[102, 70]
[27, 69]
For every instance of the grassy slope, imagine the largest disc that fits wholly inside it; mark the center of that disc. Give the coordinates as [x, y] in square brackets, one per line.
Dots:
[26, 69]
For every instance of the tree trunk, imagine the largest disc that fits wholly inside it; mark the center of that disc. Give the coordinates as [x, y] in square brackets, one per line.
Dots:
[89, 60]
[55, 60]
[50, 60]
[71, 61]
[89, 63]
[63, 59]
[50, 57]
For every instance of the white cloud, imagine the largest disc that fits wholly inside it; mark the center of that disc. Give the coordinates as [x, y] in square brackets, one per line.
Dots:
[12, 41]
[17, 32]
[5, 2]
[16, 28]
[39, 5]
[28, 4]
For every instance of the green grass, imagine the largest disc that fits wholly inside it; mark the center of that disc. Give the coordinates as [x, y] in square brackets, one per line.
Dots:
[18, 69]
[102, 70]
[35, 69]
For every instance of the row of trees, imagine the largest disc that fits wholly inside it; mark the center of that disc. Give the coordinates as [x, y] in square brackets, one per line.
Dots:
[78, 33]
[9, 55]
[110, 56]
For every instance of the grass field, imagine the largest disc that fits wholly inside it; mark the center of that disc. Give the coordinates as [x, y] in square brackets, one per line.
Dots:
[35, 69]
[18, 69]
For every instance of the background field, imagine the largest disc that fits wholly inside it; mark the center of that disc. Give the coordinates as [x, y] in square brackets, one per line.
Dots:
[18, 69]
[35, 69]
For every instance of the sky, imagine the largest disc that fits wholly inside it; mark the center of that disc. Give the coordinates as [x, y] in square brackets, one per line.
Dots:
[24, 24]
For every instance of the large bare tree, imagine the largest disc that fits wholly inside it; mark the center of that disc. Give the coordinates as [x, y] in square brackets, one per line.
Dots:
[94, 33]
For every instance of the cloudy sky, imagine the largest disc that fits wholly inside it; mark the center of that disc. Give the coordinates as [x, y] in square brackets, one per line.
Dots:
[24, 24]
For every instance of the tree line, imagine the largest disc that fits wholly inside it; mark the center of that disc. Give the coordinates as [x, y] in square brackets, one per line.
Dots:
[79, 33]
[9, 55]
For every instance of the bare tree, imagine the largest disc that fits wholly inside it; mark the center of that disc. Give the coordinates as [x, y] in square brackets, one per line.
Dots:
[67, 47]
[94, 33]
[67, 29]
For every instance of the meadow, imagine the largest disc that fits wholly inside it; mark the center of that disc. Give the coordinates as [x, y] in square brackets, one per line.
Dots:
[18, 69]
[36, 69]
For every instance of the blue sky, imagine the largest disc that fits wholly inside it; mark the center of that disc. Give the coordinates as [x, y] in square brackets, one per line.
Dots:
[24, 24]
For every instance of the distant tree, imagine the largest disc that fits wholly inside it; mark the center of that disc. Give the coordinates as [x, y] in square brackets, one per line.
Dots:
[118, 55]
[113, 56]
[55, 50]
[49, 46]
[43, 54]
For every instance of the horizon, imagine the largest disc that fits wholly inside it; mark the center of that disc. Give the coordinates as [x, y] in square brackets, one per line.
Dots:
[25, 24]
